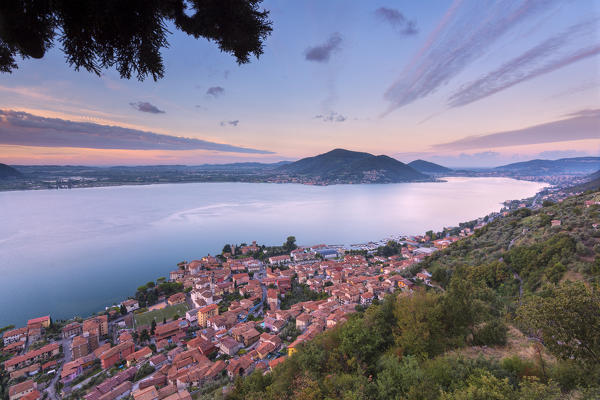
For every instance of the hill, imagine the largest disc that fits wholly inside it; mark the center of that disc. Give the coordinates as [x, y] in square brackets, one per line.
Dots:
[516, 316]
[344, 166]
[427, 167]
[592, 183]
[563, 166]
[9, 172]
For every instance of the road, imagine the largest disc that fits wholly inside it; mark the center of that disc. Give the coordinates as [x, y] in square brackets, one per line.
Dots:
[65, 343]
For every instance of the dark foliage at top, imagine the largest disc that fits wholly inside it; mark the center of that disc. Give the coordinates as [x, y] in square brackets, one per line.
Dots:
[127, 35]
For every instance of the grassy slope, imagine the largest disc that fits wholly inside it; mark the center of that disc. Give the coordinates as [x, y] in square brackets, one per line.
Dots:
[158, 315]
[363, 357]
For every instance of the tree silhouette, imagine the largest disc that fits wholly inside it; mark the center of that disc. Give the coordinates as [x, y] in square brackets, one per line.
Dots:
[126, 34]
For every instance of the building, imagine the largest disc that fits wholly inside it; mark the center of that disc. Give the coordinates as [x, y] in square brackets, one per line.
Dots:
[207, 312]
[21, 390]
[279, 260]
[14, 335]
[177, 298]
[72, 329]
[43, 353]
[44, 321]
[273, 299]
[96, 326]
[229, 346]
[116, 354]
[131, 305]
[170, 329]
[79, 347]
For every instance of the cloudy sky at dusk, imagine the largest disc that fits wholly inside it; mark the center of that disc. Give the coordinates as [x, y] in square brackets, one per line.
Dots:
[463, 83]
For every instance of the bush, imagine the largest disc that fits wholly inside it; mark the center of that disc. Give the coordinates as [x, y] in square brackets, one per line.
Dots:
[492, 333]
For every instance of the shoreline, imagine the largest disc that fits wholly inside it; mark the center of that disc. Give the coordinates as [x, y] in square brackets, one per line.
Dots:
[347, 247]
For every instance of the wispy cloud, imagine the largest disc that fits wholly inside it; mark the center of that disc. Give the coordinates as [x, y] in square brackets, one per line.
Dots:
[322, 53]
[235, 122]
[24, 129]
[465, 33]
[331, 117]
[580, 126]
[146, 107]
[550, 55]
[215, 91]
[397, 20]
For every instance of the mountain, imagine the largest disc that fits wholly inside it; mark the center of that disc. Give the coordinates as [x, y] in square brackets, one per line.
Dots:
[592, 183]
[345, 166]
[9, 172]
[563, 166]
[427, 167]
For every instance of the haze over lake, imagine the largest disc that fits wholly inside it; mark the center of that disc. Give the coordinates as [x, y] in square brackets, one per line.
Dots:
[72, 252]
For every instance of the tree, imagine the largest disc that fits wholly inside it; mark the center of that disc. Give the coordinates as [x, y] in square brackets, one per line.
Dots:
[127, 35]
[144, 336]
[226, 249]
[123, 310]
[290, 244]
[567, 320]
[153, 327]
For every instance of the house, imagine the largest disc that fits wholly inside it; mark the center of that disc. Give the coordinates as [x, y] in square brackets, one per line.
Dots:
[96, 326]
[240, 367]
[176, 274]
[149, 393]
[142, 354]
[250, 336]
[229, 346]
[366, 298]
[44, 321]
[72, 329]
[35, 395]
[192, 316]
[279, 260]
[276, 362]
[273, 299]
[555, 222]
[116, 354]
[177, 298]
[205, 313]
[43, 353]
[131, 305]
[302, 321]
[241, 279]
[170, 329]
[79, 347]
[27, 371]
[14, 335]
[327, 253]
[264, 349]
[22, 389]
[204, 346]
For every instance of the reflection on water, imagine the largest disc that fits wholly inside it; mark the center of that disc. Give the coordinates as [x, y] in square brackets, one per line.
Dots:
[67, 252]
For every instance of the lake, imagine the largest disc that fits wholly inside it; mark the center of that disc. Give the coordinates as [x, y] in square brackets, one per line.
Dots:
[72, 252]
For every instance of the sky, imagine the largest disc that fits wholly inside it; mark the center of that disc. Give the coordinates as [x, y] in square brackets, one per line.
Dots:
[469, 83]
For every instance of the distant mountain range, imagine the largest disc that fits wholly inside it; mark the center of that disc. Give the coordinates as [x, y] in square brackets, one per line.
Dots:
[345, 166]
[427, 167]
[9, 172]
[563, 166]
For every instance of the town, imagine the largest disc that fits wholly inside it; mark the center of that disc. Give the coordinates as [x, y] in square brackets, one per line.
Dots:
[220, 317]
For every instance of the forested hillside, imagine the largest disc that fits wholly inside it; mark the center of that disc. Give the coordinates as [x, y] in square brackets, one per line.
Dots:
[516, 316]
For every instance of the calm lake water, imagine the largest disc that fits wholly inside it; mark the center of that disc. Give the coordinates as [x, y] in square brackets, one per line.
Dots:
[72, 252]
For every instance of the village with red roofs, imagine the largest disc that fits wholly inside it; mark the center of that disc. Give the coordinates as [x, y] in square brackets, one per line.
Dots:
[218, 317]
